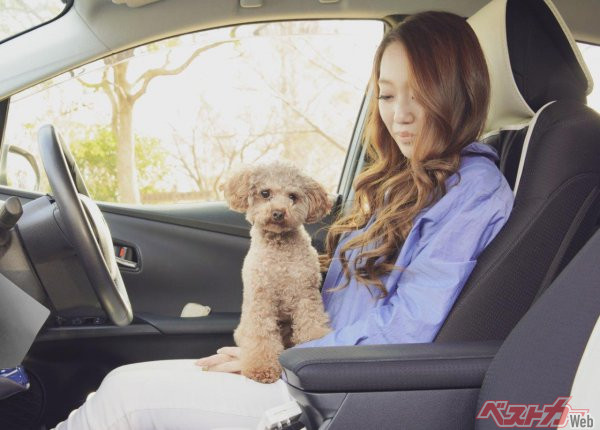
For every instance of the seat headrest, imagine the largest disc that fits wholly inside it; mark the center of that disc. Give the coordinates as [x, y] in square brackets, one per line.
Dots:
[532, 59]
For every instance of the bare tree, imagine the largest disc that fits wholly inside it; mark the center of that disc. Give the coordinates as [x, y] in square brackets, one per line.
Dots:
[123, 95]
[285, 89]
[209, 149]
[206, 154]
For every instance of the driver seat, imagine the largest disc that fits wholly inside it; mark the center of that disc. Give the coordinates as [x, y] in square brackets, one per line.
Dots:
[549, 147]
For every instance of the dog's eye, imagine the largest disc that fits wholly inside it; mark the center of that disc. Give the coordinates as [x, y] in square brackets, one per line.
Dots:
[293, 198]
[265, 193]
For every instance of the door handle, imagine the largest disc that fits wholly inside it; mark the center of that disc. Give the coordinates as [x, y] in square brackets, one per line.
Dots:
[126, 263]
[127, 257]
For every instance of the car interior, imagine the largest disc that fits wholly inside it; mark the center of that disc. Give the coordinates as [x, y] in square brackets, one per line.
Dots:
[524, 329]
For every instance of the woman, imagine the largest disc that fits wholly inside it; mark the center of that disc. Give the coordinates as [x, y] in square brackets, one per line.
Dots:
[430, 200]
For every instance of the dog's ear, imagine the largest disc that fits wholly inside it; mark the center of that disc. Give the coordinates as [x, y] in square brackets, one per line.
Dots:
[238, 188]
[319, 203]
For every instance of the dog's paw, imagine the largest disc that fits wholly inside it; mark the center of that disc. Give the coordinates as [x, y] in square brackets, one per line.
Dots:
[264, 375]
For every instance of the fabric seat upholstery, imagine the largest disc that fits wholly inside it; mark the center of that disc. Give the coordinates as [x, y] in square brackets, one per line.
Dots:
[542, 356]
[550, 154]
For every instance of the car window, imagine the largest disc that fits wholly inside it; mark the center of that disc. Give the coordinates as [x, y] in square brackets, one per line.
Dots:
[17, 16]
[165, 122]
[591, 56]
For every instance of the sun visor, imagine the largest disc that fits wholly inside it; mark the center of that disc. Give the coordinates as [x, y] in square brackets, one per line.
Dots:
[532, 59]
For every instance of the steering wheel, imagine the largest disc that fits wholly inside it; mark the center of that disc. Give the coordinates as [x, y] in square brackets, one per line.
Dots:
[85, 226]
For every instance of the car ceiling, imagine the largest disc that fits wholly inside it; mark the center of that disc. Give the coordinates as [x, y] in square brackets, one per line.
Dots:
[95, 28]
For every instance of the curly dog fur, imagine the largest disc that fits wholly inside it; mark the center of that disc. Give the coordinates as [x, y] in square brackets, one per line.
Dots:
[281, 305]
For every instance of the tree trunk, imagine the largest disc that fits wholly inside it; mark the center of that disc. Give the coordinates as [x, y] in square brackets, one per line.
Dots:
[126, 170]
[127, 187]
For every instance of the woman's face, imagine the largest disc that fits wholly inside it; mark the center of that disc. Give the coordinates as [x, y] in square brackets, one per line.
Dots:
[402, 115]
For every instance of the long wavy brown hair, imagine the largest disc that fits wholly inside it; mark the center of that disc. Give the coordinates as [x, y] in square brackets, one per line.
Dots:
[449, 78]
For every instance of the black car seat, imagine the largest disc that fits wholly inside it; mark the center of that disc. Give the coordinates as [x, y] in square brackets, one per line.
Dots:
[549, 146]
[552, 353]
[550, 358]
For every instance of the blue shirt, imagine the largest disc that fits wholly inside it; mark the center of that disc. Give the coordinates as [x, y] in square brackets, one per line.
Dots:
[438, 255]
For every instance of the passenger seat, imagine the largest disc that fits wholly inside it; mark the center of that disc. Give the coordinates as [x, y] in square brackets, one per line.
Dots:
[549, 145]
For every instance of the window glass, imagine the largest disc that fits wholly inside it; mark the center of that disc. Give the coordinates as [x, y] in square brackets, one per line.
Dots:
[17, 16]
[165, 123]
[591, 55]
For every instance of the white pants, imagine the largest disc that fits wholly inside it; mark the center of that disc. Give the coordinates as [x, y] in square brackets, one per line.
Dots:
[175, 395]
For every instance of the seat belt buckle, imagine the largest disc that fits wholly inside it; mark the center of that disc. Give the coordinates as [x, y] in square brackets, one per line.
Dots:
[282, 417]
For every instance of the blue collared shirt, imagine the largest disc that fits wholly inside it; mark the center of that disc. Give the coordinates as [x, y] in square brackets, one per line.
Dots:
[438, 255]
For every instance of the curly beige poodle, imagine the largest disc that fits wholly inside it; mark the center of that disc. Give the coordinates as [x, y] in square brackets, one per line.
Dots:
[281, 305]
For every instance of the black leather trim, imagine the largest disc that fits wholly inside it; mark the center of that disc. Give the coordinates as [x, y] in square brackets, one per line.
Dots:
[67, 333]
[216, 322]
[422, 366]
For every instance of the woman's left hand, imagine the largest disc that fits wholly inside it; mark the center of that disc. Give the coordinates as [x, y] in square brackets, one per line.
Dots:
[227, 359]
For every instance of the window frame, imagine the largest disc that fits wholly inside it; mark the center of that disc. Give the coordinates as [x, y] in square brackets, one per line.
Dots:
[353, 161]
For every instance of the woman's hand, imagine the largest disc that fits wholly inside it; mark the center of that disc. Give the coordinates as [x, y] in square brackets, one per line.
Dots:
[227, 359]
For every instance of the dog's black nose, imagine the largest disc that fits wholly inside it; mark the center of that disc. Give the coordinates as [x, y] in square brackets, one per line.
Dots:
[277, 215]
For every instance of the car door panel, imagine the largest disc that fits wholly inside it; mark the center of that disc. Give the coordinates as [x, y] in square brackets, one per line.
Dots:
[180, 264]
[188, 254]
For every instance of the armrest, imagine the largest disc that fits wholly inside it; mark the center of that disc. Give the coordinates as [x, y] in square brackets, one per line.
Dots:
[416, 366]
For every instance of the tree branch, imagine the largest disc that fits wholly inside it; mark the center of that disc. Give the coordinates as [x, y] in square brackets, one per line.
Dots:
[153, 73]
[316, 128]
